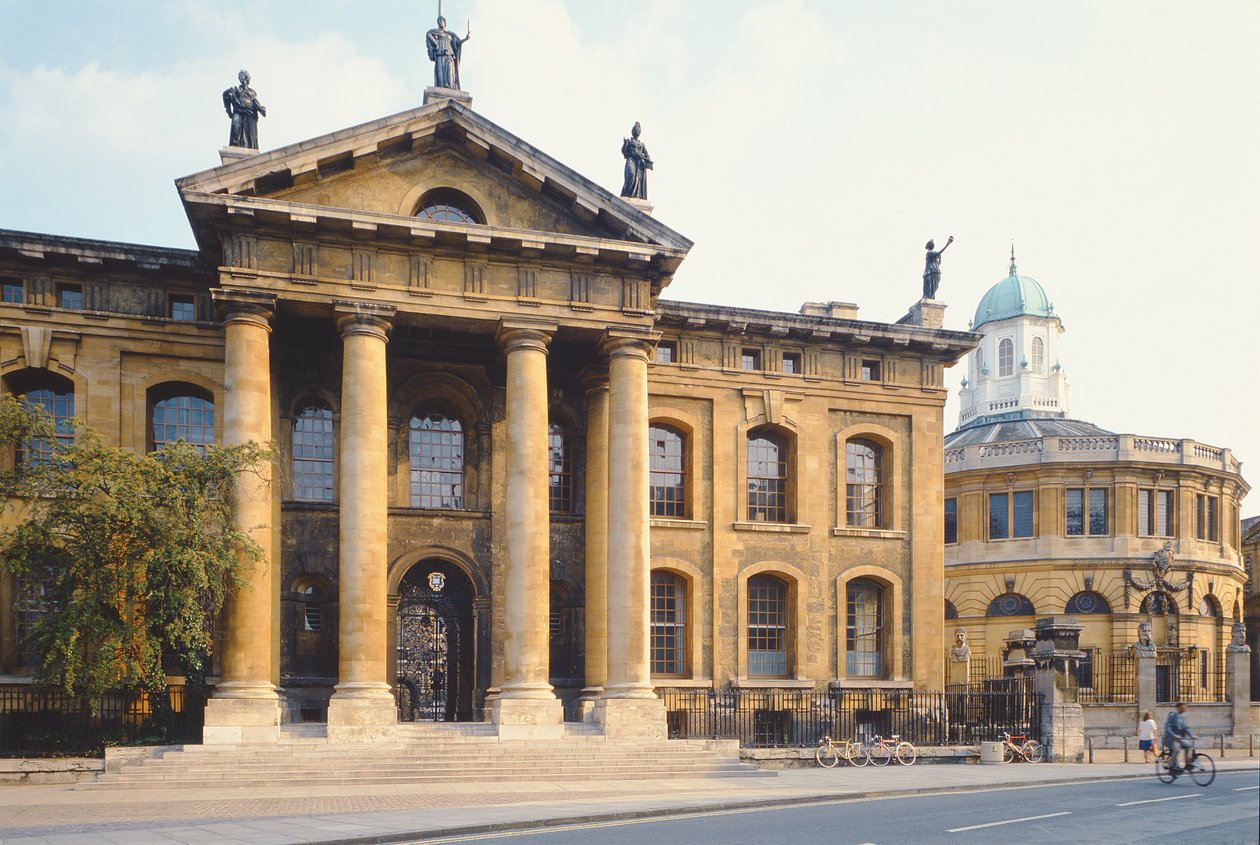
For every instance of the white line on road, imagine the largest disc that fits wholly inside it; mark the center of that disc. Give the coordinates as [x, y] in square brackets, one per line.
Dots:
[1157, 800]
[1245, 788]
[1008, 821]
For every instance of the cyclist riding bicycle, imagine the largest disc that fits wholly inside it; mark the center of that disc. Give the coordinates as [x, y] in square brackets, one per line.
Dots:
[1178, 737]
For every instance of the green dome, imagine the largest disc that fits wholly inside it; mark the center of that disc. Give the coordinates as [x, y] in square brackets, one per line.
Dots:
[1014, 296]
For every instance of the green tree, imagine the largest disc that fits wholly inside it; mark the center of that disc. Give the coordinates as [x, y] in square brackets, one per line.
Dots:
[137, 553]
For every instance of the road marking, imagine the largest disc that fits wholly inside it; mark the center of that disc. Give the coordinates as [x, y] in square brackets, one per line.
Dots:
[1245, 788]
[1008, 821]
[1157, 800]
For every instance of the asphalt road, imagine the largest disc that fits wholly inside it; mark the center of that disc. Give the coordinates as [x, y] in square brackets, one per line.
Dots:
[1130, 811]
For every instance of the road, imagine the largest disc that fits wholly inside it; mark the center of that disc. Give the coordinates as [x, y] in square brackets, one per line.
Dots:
[1129, 811]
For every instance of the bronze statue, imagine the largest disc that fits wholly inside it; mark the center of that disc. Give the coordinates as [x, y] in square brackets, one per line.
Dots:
[638, 163]
[932, 269]
[241, 104]
[444, 51]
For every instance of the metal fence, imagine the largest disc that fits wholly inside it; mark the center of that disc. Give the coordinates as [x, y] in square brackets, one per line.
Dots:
[1189, 676]
[36, 722]
[1107, 678]
[778, 718]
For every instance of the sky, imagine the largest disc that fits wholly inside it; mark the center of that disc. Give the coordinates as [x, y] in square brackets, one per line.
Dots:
[809, 149]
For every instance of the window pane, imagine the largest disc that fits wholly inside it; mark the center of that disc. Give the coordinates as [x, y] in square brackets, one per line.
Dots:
[188, 418]
[791, 363]
[667, 490]
[437, 463]
[70, 298]
[1144, 513]
[559, 447]
[864, 629]
[1022, 522]
[664, 353]
[1006, 357]
[313, 455]
[767, 478]
[999, 517]
[669, 624]
[1211, 519]
[58, 403]
[951, 521]
[1163, 513]
[864, 484]
[767, 626]
[1075, 512]
[13, 293]
[1097, 512]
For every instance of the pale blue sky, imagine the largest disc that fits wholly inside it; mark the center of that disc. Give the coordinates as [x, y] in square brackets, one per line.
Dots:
[809, 148]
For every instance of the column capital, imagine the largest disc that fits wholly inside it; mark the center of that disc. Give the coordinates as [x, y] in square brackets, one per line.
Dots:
[632, 343]
[239, 306]
[516, 334]
[595, 377]
[364, 318]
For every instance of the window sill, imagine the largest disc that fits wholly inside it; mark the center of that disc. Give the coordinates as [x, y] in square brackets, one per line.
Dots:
[879, 533]
[454, 514]
[772, 527]
[685, 524]
[772, 683]
[677, 683]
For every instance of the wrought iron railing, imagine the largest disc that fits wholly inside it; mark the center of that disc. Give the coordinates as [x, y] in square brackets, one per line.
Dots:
[1107, 679]
[36, 722]
[779, 718]
[1193, 675]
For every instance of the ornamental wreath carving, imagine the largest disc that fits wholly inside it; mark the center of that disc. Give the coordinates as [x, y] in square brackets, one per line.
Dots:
[1161, 562]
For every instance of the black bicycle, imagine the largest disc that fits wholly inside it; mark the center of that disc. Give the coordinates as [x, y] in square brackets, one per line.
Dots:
[1202, 768]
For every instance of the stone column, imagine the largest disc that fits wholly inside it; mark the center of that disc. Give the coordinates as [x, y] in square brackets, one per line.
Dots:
[596, 672]
[629, 707]
[1144, 667]
[1062, 720]
[362, 706]
[245, 707]
[526, 707]
[1238, 687]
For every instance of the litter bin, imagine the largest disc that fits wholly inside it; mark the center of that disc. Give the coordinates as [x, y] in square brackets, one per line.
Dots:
[990, 753]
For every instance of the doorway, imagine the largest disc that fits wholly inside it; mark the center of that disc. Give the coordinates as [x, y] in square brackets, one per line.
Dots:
[435, 644]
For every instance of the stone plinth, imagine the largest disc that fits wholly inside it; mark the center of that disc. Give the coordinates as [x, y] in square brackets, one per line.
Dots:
[528, 718]
[436, 95]
[1145, 684]
[363, 715]
[227, 155]
[242, 716]
[642, 205]
[928, 313]
[1238, 689]
[631, 718]
[1056, 655]
[959, 671]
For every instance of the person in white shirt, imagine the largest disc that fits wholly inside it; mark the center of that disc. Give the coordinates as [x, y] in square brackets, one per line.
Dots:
[1146, 737]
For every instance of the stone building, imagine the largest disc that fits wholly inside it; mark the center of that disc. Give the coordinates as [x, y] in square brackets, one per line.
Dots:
[515, 482]
[1048, 515]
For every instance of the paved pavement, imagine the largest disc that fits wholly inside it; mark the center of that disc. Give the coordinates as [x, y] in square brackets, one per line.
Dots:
[57, 815]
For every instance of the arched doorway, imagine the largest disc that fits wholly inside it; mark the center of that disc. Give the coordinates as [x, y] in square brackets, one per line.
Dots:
[435, 644]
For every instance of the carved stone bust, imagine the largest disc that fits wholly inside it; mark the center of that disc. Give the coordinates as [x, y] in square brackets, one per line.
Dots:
[1145, 646]
[961, 652]
[1239, 641]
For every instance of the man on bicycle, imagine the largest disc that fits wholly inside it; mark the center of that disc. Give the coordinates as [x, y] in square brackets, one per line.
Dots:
[1178, 736]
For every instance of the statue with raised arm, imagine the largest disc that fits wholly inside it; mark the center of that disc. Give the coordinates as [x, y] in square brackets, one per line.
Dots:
[932, 268]
[444, 51]
[241, 104]
[638, 163]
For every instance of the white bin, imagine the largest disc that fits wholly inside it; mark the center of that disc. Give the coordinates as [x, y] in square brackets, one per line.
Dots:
[990, 752]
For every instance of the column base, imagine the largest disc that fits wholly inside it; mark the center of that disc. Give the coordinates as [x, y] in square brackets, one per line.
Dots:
[631, 718]
[242, 714]
[362, 714]
[586, 703]
[527, 718]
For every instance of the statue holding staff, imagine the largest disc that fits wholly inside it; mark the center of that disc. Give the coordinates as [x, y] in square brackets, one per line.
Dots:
[932, 269]
[638, 163]
[444, 49]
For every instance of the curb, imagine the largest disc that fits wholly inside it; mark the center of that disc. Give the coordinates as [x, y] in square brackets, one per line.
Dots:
[722, 806]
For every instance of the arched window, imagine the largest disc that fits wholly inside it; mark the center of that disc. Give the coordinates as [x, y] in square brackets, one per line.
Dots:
[767, 477]
[864, 487]
[1087, 602]
[1006, 357]
[951, 612]
[437, 462]
[311, 593]
[667, 459]
[1158, 603]
[768, 632]
[1038, 355]
[560, 467]
[313, 450]
[449, 206]
[55, 395]
[181, 412]
[981, 370]
[1011, 604]
[669, 623]
[1209, 606]
[864, 629]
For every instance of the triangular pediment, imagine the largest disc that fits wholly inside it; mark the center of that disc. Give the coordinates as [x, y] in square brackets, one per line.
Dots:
[382, 170]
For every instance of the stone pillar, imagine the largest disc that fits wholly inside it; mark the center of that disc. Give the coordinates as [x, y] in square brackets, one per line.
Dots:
[596, 538]
[362, 706]
[1238, 688]
[1056, 655]
[1017, 659]
[526, 707]
[629, 707]
[245, 707]
[1144, 685]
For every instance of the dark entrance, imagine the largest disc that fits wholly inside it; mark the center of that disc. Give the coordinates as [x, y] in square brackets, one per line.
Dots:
[435, 644]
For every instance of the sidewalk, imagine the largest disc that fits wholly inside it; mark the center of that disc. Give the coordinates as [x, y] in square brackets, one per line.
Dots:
[57, 815]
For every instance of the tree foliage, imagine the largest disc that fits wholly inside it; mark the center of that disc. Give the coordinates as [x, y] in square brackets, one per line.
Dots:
[136, 553]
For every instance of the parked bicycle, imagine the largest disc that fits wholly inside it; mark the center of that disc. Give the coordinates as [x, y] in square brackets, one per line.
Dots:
[832, 751]
[1202, 769]
[884, 749]
[1020, 746]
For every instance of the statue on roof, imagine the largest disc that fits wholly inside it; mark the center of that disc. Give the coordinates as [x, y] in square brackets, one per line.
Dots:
[444, 51]
[638, 163]
[932, 269]
[241, 104]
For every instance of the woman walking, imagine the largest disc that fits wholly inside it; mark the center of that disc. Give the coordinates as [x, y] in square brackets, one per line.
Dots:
[1146, 737]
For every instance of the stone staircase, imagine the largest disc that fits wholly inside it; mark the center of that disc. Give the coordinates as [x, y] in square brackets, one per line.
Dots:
[427, 753]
